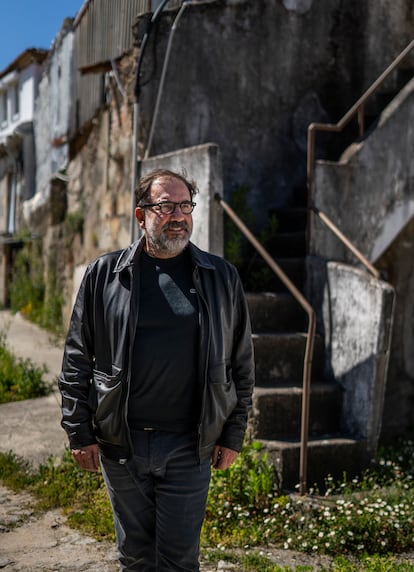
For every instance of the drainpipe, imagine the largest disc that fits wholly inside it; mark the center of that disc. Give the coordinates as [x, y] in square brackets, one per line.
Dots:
[137, 90]
[163, 74]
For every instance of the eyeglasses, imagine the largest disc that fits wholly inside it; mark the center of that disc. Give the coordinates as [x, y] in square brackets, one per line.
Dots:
[168, 207]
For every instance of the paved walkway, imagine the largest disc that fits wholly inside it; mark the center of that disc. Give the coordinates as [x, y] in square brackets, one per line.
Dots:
[31, 428]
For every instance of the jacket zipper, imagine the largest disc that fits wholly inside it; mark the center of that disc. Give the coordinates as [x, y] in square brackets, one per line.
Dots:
[133, 316]
[203, 364]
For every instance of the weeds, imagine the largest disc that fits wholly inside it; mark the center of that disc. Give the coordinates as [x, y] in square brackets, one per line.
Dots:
[358, 523]
[38, 300]
[20, 378]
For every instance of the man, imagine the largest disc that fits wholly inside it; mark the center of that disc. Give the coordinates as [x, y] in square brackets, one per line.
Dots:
[157, 378]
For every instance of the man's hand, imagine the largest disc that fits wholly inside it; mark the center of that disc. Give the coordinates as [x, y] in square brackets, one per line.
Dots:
[223, 457]
[87, 457]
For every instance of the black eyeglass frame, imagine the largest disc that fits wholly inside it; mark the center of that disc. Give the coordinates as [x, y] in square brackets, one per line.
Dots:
[163, 203]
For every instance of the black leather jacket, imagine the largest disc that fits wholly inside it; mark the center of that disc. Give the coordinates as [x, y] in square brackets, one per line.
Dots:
[95, 376]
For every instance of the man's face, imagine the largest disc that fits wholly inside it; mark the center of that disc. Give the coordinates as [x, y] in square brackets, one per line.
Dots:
[166, 236]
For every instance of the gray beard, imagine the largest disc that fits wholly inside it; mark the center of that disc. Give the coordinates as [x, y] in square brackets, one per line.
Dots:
[168, 246]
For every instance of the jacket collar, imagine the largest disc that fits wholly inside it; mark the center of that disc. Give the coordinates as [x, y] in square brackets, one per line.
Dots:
[200, 257]
[128, 255]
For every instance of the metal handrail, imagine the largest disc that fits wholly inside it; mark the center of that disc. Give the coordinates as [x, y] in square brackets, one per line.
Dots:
[327, 221]
[356, 109]
[310, 340]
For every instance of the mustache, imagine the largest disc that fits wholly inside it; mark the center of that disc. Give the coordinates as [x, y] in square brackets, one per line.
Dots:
[175, 225]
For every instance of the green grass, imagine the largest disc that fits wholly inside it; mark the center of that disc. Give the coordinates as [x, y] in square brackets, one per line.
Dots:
[362, 524]
[20, 378]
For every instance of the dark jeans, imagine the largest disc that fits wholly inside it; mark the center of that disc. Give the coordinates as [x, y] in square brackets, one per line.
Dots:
[158, 500]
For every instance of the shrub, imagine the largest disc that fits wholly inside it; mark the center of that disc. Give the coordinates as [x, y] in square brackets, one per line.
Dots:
[20, 378]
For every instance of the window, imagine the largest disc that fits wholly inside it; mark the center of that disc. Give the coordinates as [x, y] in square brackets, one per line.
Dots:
[15, 100]
[3, 108]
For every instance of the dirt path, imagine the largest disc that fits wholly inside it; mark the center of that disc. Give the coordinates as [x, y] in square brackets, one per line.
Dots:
[31, 542]
[43, 542]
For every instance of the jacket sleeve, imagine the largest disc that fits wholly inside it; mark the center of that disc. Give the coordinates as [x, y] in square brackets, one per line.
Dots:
[243, 370]
[78, 362]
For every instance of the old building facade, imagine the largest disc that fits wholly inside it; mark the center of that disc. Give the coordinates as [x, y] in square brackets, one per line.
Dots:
[19, 84]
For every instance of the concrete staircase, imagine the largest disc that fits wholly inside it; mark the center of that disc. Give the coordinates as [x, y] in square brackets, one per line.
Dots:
[279, 333]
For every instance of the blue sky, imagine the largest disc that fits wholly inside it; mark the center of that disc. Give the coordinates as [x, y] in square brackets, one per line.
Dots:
[31, 24]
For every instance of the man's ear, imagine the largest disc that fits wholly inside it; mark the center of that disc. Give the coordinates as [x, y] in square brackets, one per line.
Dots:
[140, 216]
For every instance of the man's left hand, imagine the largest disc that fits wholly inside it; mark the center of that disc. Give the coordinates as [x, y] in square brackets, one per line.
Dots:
[223, 457]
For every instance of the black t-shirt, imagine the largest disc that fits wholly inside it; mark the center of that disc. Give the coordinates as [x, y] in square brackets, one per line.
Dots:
[163, 393]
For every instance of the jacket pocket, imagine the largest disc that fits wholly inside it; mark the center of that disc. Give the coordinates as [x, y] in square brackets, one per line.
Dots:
[109, 414]
[220, 400]
[105, 383]
[220, 374]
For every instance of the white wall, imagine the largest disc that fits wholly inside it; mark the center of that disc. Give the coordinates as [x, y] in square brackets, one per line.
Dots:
[51, 116]
[27, 81]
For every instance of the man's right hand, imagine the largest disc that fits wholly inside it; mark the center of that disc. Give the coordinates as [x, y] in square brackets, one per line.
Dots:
[87, 457]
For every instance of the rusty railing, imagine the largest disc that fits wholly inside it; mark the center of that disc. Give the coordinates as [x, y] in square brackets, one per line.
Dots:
[356, 109]
[310, 340]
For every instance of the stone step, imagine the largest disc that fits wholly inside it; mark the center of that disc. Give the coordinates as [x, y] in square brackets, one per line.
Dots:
[331, 455]
[277, 411]
[275, 312]
[279, 358]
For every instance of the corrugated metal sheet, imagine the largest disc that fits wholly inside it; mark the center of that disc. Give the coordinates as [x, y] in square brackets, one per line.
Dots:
[102, 32]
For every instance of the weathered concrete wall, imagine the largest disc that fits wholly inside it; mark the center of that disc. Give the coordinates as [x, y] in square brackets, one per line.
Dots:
[355, 316]
[370, 196]
[376, 180]
[251, 75]
[397, 264]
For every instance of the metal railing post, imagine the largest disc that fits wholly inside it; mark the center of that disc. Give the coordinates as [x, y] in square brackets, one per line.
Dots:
[310, 340]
